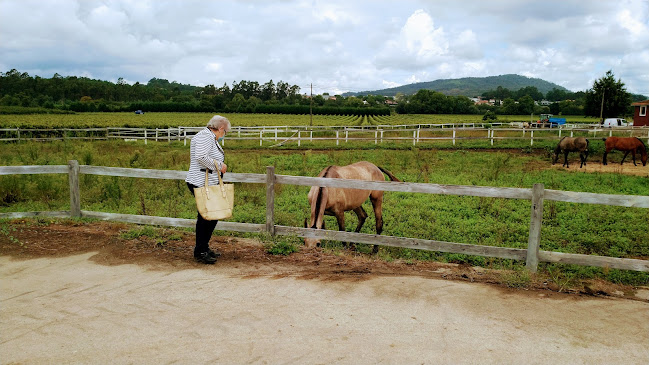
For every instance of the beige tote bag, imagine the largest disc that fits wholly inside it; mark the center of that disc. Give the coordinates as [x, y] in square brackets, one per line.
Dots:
[215, 202]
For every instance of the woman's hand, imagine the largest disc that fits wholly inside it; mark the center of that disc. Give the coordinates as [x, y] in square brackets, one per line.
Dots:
[224, 167]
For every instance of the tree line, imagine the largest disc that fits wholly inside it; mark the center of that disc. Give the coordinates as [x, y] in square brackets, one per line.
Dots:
[81, 94]
[608, 97]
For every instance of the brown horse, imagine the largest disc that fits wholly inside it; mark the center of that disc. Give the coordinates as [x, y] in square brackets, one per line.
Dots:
[572, 144]
[626, 144]
[336, 201]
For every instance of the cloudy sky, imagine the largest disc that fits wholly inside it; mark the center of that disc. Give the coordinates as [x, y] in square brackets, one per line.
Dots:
[336, 45]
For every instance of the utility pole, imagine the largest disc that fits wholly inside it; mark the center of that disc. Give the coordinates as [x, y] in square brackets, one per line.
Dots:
[311, 107]
[601, 110]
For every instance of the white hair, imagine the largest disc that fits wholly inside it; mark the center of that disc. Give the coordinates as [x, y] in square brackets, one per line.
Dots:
[218, 121]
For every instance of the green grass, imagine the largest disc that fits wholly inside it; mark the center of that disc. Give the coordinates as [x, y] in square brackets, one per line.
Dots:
[165, 120]
[567, 227]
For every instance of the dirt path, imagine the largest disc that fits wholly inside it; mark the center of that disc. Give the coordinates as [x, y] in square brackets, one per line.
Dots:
[122, 303]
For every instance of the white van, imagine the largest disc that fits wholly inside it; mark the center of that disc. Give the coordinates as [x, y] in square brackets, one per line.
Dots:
[615, 122]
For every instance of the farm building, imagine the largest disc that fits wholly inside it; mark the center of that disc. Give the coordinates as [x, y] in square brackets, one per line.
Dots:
[640, 115]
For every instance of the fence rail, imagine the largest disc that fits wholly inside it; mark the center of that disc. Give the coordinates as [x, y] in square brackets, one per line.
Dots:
[532, 255]
[275, 135]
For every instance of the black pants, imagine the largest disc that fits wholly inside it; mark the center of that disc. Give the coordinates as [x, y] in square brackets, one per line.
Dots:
[204, 229]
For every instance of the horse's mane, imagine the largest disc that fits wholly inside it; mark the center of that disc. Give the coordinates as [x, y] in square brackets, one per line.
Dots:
[318, 199]
[642, 143]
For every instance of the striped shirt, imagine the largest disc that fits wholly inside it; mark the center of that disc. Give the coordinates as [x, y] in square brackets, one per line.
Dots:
[204, 153]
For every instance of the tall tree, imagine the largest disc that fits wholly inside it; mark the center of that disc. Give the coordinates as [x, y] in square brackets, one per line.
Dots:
[608, 98]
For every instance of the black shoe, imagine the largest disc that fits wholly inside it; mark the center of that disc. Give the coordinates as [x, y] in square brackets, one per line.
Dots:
[214, 254]
[205, 258]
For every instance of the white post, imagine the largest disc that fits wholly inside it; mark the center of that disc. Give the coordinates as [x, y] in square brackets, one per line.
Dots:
[275, 134]
[531, 138]
[346, 134]
[299, 138]
[610, 133]
[571, 133]
[337, 141]
[381, 135]
[156, 134]
[453, 135]
[145, 141]
[310, 136]
[491, 134]
[185, 137]
[376, 136]
[261, 132]
[414, 137]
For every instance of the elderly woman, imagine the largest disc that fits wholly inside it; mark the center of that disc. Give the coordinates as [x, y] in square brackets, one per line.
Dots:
[206, 154]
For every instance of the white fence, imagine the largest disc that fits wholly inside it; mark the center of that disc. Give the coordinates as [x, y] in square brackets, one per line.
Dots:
[280, 135]
[532, 255]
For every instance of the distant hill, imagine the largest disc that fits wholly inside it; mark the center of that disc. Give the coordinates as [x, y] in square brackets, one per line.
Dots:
[467, 86]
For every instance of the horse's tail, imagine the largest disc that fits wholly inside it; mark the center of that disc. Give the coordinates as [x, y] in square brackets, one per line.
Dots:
[320, 204]
[392, 177]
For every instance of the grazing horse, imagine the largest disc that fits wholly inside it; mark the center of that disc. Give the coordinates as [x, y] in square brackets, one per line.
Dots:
[626, 144]
[336, 201]
[572, 144]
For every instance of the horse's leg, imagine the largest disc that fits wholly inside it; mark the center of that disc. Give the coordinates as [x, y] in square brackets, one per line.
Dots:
[565, 159]
[625, 154]
[633, 155]
[377, 204]
[581, 159]
[604, 157]
[340, 218]
[362, 215]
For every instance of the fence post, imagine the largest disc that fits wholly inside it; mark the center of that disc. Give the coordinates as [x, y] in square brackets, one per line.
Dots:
[270, 200]
[536, 219]
[337, 141]
[531, 138]
[491, 133]
[73, 180]
[453, 135]
[145, 135]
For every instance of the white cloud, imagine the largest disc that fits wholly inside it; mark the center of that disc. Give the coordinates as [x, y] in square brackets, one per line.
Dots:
[337, 44]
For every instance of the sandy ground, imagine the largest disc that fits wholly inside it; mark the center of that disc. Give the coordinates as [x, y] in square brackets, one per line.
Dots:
[594, 164]
[105, 300]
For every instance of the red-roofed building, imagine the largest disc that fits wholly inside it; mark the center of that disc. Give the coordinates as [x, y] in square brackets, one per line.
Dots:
[640, 114]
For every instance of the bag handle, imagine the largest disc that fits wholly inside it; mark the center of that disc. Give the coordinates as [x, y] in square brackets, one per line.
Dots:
[218, 174]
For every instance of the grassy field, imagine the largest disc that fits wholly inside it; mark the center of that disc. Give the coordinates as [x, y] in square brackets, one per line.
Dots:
[165, 120]
[575, 228]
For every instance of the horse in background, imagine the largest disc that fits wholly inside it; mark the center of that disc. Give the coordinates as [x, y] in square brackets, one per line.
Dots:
[336, 201]
[626, 144]
[572, 144]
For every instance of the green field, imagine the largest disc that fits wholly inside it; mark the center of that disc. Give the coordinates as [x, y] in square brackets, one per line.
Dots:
[575, 228]
[165, 120]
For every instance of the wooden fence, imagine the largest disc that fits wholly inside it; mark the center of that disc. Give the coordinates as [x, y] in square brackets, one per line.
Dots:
[532, 255]
[278, 135]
